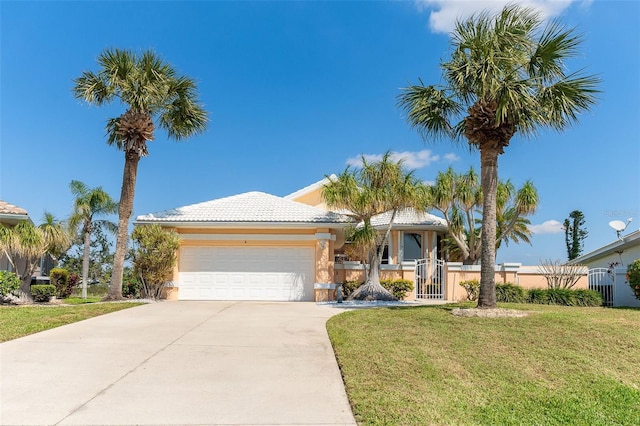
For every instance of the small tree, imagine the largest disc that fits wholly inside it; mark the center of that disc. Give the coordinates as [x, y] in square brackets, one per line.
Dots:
[561, 275]
[154, 254]
[377, 187]
[574, 233]
[88, 204]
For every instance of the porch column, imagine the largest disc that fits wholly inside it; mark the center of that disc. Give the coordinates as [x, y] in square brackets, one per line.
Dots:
[324, 287]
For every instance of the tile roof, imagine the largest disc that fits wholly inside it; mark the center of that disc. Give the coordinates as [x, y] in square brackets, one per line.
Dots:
[256, 207]
[310, 188]
[410, 217]
[6, 208]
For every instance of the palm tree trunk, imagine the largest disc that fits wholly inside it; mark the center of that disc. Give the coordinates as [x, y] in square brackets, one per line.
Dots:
[85, 260]
[124, 214]
[489, 182]
[372, 289]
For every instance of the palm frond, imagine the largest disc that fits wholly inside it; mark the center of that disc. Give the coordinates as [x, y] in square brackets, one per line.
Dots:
[430, 111]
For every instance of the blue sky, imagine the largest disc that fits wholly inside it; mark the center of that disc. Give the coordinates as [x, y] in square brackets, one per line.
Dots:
[295, 91]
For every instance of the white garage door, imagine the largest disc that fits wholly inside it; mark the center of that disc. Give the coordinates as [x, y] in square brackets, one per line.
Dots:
[247, 273]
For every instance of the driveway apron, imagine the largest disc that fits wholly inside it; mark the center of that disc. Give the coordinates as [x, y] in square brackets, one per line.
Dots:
[178, 363]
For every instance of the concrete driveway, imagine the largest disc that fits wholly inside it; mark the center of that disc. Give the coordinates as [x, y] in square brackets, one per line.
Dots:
[178, 363]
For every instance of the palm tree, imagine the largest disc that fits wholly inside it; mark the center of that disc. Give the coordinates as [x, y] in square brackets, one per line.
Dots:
[89, 203]
[506, 75]
[374, 188]
[24, 244]
[55, 235]
[458, 197]
[154, 95]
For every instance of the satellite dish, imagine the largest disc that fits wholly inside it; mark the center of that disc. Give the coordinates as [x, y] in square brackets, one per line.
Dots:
[618, 225]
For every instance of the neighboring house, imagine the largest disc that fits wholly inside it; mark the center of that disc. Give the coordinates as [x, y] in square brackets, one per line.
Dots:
[607, 269]
[257, 246]
[9, 216]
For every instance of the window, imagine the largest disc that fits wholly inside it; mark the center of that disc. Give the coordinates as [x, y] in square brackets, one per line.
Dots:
[412, 246]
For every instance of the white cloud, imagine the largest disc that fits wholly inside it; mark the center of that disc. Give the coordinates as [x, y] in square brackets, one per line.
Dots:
[451, 157]
[444, 13]
[412, 160]
[547, 227]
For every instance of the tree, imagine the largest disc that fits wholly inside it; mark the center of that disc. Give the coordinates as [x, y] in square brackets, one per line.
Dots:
[574, 233]
[458, 197]
[154, 254]
[24, 244]
[372, 189]
[154, 96]
[506, 75]
[88, 204]
[561, 275]
[100, 257]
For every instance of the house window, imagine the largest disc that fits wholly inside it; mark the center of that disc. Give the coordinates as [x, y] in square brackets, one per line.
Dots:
[412, 246]
[385, 255]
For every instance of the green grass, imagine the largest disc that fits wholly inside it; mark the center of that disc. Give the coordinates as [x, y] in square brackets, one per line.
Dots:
[80, 300]
[422, 366]
[18, 321]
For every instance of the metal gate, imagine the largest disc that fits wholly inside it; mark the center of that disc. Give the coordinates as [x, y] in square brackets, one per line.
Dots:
[601, 280]
[430, 281]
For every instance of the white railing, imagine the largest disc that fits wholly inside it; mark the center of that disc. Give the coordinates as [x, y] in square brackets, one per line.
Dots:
[601, 280]
[430, 279]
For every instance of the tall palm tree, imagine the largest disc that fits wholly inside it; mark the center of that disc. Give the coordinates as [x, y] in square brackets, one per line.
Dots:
[506, 75]
[24, 244]
[88, 204]
[372, 189]
[155, 96]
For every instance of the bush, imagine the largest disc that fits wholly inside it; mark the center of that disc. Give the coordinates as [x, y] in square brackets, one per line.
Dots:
[398, 288]
[60, 279]
[131, 288]
[42, 293]
[633, 277]
[565, 297]
[510, 293]
[472, 287]
[9, 282]
[349, 287]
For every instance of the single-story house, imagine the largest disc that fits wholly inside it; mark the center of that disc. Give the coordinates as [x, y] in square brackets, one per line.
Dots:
[257, 246]
[10, 215]
[608, 266]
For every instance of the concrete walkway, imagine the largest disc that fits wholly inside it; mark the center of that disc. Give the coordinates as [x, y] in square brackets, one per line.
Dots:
[178, 363]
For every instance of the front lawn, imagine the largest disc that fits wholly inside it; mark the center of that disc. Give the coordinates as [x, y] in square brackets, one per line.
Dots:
[423, 366]
[18, 321]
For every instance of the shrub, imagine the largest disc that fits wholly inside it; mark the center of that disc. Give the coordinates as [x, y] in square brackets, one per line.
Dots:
[349, 287]
[60, 279]
[72, 284]
[43, 293]
[565, 297]
[131, 288]
[633, 277]
[472, 287]
[9, 282]
[510, 293]
[398, 288]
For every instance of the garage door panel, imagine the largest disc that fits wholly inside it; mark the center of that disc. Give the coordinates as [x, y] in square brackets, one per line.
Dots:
[246, 273]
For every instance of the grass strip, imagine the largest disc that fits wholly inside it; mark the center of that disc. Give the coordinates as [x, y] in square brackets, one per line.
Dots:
[18, 321]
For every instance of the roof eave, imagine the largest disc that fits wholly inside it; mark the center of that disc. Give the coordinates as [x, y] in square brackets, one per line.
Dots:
[253, 225]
